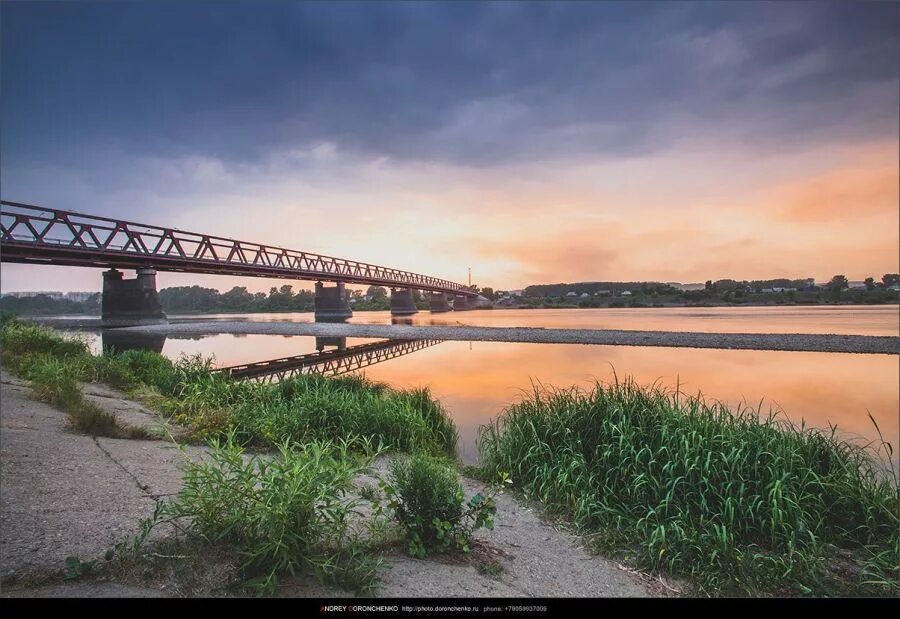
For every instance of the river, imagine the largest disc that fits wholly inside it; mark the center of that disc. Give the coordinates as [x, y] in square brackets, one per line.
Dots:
[475, 380]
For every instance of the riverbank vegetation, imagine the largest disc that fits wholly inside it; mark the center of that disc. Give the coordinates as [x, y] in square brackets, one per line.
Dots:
[213, 405]
[736, 501]
[723, 292]
[292, 505]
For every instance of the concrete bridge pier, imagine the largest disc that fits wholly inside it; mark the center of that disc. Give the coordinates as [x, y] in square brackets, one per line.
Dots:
[323, 342]
[402, 302]
[129, 302]
[331, 303]
[439, 303]
[461, 303]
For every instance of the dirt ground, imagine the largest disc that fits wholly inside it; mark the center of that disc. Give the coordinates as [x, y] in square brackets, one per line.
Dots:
[65, 495]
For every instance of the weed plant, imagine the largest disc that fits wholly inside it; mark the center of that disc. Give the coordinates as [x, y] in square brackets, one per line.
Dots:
[288, 512]
[426, 498]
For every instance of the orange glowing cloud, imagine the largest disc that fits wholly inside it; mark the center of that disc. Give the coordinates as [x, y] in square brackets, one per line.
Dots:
[867, 186]
[825, 213]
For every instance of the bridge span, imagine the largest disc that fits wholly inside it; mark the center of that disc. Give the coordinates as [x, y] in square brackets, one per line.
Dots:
[32, 234]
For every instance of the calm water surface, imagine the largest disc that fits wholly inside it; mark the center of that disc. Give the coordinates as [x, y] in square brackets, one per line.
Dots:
[476, 380]
[840, 319]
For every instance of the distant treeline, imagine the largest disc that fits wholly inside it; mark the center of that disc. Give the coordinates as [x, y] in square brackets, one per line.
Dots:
[758, 285]
[197, 299]
[838, 282]
[181, 299]
[560, 290]
[186, 299]
[43, 305]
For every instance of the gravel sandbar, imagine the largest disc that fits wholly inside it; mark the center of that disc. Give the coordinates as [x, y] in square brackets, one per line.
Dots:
[863, 344]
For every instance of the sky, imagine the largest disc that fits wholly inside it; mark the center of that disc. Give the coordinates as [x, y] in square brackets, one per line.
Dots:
[532, 142]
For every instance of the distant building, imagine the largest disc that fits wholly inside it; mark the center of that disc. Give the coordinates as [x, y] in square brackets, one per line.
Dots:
[53, 294]
[572, 294]
[783, 290]
[508, 294]
[603, 293]
[626, 293]
[685, 287]
[584, 295]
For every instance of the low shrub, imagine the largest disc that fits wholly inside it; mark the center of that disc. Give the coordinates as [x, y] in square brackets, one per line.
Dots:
[426, 498]
[285, 513]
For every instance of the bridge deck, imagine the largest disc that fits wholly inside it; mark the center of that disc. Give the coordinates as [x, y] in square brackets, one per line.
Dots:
[35, 235]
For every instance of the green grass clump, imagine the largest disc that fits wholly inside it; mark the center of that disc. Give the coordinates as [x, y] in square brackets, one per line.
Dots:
[736, 501]
[287, 513]
[21, 341]
[131, 368]
[56, 381]
[426, 498]
[313, 407]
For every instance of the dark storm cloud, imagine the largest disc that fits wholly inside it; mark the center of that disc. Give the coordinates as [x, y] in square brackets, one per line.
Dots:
[449, 82]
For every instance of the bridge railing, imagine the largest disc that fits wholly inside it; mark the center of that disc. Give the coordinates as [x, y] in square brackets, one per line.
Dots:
[26, 225]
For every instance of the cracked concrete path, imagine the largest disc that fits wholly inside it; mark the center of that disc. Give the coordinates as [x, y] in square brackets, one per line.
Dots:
[65, 494]
[537, 560]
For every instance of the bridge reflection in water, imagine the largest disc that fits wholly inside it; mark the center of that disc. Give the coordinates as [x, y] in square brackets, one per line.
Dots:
[340, 360]
[333, 356]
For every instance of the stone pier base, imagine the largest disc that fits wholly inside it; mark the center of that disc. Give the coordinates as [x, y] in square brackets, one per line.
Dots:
[331, 303]
[130, 302]
[462, 303]
[402, 302]
[439, 302]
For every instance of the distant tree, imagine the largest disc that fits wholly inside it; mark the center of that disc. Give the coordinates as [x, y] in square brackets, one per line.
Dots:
[709, 285]
[92, 304]
[838, 283]
[376, 292]
[889, 279]
[236, 299]
[870, 283]
[724, 285]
